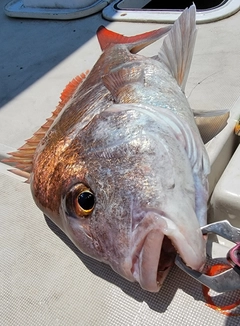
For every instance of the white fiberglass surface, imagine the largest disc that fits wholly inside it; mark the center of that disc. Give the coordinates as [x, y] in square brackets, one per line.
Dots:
[58, 3]
[54, 10]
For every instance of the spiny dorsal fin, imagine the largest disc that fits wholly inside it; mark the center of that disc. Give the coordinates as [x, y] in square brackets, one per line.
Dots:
[22, 159]
[178, 46]
[136, 43]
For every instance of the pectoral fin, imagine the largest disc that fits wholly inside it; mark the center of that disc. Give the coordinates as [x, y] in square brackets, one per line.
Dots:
[119, 81]
[211, 123]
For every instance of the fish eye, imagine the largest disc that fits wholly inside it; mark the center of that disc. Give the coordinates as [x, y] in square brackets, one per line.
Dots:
[80, 201]
[86, 201]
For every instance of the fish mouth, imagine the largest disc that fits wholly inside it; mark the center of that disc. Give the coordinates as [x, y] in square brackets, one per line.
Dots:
[151, 265]
[154, 254]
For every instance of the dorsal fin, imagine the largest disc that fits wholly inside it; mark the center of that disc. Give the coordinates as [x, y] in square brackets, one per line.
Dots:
[136, 43]
[178, 46]
[23, 157]
[70, 89]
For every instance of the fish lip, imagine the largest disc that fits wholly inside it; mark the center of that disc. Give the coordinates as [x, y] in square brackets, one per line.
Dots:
[145, 262]
[147, 238]
[146, 252]
[149, 264]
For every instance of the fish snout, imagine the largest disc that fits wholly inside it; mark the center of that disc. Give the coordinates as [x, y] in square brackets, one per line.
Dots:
[154, 244]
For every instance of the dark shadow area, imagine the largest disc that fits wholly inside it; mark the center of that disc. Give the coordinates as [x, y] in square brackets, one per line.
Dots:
[30, 48]
[168, 291]
[176, 4]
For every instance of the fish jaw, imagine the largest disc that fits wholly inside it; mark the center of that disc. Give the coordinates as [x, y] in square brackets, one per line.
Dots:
[145, 263]
[155, 242]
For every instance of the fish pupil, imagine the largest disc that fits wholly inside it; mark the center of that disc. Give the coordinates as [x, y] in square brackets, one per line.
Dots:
[86, 200]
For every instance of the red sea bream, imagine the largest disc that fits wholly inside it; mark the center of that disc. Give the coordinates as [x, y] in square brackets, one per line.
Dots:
[120, 167]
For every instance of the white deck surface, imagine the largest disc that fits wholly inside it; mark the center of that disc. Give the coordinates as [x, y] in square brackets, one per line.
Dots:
[44, 280]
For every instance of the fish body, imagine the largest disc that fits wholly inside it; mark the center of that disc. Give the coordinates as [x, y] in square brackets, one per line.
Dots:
[122, 169]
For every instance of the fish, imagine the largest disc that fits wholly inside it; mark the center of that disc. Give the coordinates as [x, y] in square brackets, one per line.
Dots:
[120, 166]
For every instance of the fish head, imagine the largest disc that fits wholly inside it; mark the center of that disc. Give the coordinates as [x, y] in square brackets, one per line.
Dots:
[123, 192]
